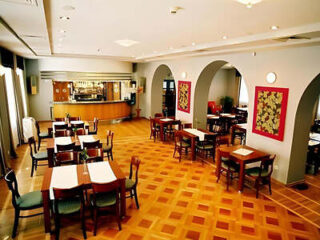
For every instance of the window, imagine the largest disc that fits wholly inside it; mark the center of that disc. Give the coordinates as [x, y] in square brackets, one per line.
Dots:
[23, 91]
[243, 94]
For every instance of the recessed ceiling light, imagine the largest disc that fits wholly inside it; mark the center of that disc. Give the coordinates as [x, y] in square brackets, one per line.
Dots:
[224, 37]
[62, 31]
[64, 18]
[274, 27]
[249, 3]
[126, 42]
[193, 44]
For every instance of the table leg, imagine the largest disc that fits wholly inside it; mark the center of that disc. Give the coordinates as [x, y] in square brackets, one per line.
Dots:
[50, 157]
[123, 197]
[46, 211]
[232, 136]
[161, 132]
[193, 149]
[241, 176]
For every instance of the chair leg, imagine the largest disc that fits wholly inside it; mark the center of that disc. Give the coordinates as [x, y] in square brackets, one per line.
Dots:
[257, 188]
[111, 155]
[136, 197]
[219, 174]
[57, 225]
[228, 173]
[39, 142]
[269, 180]
[95, 219]
[174, 152]
[83, 222]
[32, 167]
[16, 223]
[180, 152]
[118, 216]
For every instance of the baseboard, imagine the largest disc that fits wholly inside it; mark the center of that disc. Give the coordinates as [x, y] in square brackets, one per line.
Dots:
[295, 183]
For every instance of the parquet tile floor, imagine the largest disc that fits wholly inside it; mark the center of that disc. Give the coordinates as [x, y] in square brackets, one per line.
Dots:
[177, 200]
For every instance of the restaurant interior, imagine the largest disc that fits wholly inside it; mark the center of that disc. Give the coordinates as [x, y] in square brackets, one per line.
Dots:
[202, 122]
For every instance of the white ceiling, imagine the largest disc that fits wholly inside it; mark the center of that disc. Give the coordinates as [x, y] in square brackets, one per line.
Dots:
[95, 25]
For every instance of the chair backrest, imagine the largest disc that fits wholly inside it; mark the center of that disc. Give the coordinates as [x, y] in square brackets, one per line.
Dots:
[77, 125]
[177, 137]
[221, 140]
[186, 125]
[60, 127]
[12, 183]
[95, 124]
[106, 187]
[89, 145]
[66, 147]
[152, 122]
[135, 163]
[110, 138]
[81, 132]
[68, 193]
[38, 128]
[66, 158]
[32, 141]
[267, 164]
[62, 133]
[158, 115]
[74, 118]
[95, 155]
[221, 153]
[210, 139]
[60, 119]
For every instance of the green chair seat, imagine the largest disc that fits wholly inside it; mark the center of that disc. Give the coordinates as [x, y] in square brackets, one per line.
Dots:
[183, 144]
[30, 200]
[106, 147]
[41, 155]
[204, 147]
[233, 166]
[106, 199]
[44, 134]
[68, 206]
[254, 172]
[129, 183]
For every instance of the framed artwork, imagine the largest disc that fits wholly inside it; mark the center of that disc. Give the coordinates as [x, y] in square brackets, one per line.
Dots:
[270, 108]
[184, 96]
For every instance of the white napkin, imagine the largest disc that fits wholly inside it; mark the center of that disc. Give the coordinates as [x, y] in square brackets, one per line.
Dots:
[63, 177]
[243, 151]
[86, 138]
[76, 122]
[61, 141]
[101, 172]
[196, 132]
[166, 119]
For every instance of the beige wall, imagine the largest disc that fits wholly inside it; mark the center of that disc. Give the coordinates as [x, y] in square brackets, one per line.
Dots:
[295, 69]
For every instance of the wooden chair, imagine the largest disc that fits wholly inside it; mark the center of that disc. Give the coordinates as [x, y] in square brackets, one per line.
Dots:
[107, 148]
[95, 127]
[222, 140]
[61, 127]
[170, 130]
[41, 135]
[80, 132]
[66, 147]
[105, 197]
[36, 156]
[208, 146]
[179, 144]
[95, 155]
[26, 202]
[132, 181]
[186, 125]
[74, 118]
[158, 115]
[60, 119]
[64, 158]
[95, 144]
[226, 165]
[77, 125]
[67, 202]
[262, 174]
[154, 129]
[62, 133]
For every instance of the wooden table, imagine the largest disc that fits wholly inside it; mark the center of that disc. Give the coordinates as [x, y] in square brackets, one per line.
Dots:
[242, 127]
[86, 126]
[83, 179]
[163, 123]
[51, 145]
[242, 160]
[193, 139]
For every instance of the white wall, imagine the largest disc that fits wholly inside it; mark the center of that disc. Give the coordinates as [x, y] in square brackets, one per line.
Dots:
[40, 103]
[295, 69]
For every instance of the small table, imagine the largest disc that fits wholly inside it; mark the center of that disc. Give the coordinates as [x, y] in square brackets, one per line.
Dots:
[51, 145]
[193, 139]
[83, 179]
[242, 127]
[163, 122]
[255, 156]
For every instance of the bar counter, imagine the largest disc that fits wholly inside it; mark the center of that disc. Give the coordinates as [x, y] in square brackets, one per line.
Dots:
[88, 110]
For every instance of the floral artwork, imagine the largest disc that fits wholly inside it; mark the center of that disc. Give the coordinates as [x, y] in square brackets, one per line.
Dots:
[184, 93]
[270, 112]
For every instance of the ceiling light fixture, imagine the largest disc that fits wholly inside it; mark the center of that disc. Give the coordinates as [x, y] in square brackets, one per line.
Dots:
[224, 37]
[126, 42]
[271, 77]
[62, 31]
[64, 18]
[249, 3]
[274, 27]
[193, 44]
[174, 10]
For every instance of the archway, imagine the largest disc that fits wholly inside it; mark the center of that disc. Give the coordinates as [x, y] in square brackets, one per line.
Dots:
[162, 73]
[202, 92]
[303, 120]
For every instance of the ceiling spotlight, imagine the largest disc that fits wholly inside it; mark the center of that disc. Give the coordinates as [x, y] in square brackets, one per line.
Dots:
[174, 10]
[274, 27]
[64, 18]
[126, 42]
[193, 44]
[62, 31]
[249, 3]
[224, 37]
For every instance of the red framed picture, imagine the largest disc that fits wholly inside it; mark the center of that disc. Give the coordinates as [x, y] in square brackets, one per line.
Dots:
[184, 96]
[270, 108]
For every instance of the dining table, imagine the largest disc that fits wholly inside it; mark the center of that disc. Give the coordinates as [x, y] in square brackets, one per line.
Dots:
[165, 122]
[51, 144]
[51, 129]
[242, 155]
[85, 175]
[195, 134]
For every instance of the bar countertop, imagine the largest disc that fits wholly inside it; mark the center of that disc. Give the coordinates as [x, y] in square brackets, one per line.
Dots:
[91, 102]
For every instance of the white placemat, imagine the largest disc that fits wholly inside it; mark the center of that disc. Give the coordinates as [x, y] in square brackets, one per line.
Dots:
[225, 114]
[61, 141]
[166, 119]
[86, 138]
[313, 143]
[56, 123]
[243, 151]
[212, 116]
[63, 177]
[242, 109]
[101, 172]
[196, 132]
[315, 136]
[76, 122]
[243, 125]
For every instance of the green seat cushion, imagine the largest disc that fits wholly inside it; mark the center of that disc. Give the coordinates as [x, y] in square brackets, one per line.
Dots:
[233, 166]
[106, 147]
[68, 206]
[183, 144]
[43, 134]
[129, 183]
[106, 199]
[30, 200]
[41, 155]
[205, 146]
[255, 172]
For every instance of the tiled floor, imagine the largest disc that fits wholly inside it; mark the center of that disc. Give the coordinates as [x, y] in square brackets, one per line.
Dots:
[177, 200]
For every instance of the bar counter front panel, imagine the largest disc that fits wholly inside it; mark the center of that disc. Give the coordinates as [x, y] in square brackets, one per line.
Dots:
[104, 110]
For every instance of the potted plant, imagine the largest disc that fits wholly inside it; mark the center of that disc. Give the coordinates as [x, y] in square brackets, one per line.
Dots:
[83, 157]
[227, 104]
[75, 132]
